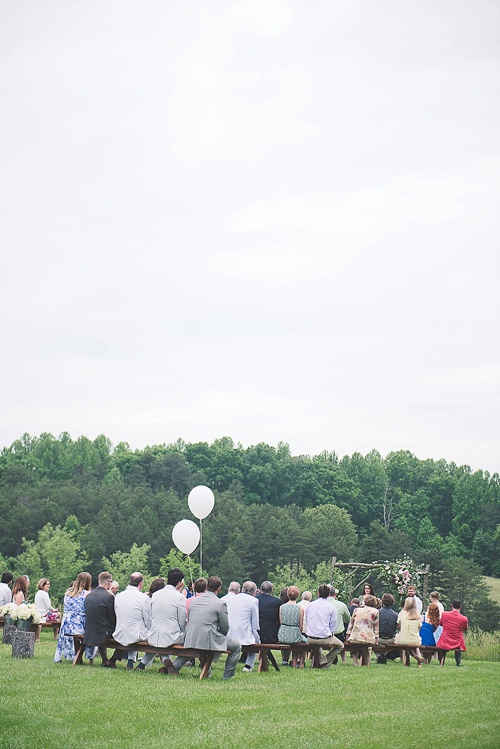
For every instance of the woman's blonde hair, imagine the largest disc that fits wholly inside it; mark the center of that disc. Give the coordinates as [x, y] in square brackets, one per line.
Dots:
[410, 610]
[82, 582]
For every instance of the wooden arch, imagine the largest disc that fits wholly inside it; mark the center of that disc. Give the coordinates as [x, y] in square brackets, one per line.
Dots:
[366, 569]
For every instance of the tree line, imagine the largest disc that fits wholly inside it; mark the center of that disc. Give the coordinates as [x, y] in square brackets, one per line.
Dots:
[273, 509]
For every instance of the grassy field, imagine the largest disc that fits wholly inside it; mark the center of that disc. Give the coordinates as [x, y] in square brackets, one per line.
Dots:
[493, 583]
[45, 705]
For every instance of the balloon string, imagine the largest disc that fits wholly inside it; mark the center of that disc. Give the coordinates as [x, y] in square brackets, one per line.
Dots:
[190, 573]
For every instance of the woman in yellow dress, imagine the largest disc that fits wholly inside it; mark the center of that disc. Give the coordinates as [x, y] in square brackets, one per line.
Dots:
[409, 623]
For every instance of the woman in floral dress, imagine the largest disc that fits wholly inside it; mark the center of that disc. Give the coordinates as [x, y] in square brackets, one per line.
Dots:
[73, 622]
[363, 629]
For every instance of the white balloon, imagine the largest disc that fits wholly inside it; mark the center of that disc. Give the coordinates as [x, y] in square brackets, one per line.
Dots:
[186, 536]
[201, 501]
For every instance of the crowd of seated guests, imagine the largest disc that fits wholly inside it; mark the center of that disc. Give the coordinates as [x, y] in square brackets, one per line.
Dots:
[247, 615]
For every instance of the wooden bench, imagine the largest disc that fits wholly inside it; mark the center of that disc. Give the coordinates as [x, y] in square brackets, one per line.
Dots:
[206, 656]
[298, 648]
[263, 649]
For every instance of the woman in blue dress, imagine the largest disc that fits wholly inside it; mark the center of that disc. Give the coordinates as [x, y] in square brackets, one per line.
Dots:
[429, 624]
[73, 622]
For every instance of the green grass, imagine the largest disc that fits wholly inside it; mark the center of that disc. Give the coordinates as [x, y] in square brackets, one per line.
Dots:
[483, 646]
[493, 584]
[47, 706]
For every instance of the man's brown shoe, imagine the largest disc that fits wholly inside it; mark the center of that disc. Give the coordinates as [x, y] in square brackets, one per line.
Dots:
[168, 668]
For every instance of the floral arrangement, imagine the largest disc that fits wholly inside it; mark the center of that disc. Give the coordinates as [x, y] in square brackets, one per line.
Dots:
[403, 572]
[24, 611]
[28, 611]
[9, 609]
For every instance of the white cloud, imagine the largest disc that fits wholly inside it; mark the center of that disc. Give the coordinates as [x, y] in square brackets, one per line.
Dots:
[274, 220]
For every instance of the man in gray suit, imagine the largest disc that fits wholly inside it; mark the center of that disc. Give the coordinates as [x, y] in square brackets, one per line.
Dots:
[243, 613]
[207, 627]
[168, 620]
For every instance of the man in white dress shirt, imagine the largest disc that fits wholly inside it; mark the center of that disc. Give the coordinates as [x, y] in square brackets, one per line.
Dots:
[321, 623]
[243, 613]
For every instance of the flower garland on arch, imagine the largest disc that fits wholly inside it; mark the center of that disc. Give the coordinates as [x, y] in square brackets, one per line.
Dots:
[402, 573]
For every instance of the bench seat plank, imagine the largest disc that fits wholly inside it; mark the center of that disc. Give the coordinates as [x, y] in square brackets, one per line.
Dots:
[206, 656]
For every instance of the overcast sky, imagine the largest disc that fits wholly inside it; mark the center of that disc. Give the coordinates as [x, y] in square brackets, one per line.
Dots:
[268, 219]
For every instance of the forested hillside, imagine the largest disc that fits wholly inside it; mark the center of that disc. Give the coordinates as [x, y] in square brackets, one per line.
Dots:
[272, 507]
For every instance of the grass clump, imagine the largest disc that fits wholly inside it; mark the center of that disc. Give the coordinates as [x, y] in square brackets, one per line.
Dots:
[483, 646]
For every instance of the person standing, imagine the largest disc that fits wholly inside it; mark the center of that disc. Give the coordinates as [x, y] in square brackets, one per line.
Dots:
[434, 597]
[454, 626]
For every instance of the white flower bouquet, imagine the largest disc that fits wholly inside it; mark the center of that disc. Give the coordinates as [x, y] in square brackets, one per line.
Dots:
[28, 611]
[9, 609]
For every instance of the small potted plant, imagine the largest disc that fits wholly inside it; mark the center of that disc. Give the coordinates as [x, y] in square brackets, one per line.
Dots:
[9, 613]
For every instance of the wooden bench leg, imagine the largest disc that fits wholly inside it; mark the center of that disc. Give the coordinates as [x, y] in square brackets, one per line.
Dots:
[206, 664]
[315, 657]
[365, 656]
[405, 657]
[79, 651]
[263, 662]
